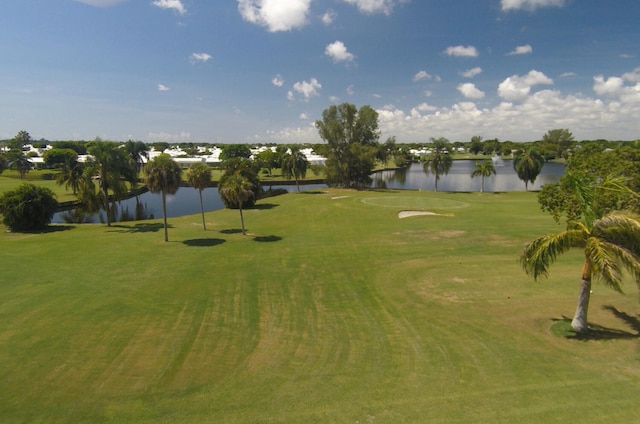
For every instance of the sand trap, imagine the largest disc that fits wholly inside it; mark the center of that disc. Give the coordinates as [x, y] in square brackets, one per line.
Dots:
[407, 214]
[338, 197]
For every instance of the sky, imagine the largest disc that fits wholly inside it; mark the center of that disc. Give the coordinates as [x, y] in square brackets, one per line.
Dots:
[262, 71]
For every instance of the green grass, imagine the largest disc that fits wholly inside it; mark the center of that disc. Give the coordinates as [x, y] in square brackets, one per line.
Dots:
[331, 310]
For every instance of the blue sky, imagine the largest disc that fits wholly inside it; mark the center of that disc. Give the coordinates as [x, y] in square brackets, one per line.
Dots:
[228, 71]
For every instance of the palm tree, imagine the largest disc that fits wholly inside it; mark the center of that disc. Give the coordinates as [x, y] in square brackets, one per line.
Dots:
[138, 152]
[528, 166]
[112, 167]
[70, 175]
[483, 169]
[199, 176]
[294, 165]
[236, 189]
[438, 163]
[610, 243]
[163, 176]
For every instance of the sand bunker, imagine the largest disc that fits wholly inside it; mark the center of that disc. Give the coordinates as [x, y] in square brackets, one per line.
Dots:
[407, 214]
[338, 197]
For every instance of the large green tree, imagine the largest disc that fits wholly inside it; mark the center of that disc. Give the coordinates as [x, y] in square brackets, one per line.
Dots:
[556, 143]
[28, 207]
[528, 165]
[110, 165]
[294, 165]
[483, 169]
[138, 153]
[236, 189]
[439, 161]
[163, 176]
[352, 137]
[199, 177]
[611, 244]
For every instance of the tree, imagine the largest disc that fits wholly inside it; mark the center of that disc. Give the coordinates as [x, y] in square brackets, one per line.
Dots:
[438, 162]
[18, 161]
[558, 142]
[111, 166]
[56, 157]
[528, 165]
[71, 175]
[247, 169]
[163, 176]
[28, 208]
[233, 151]
[610, 243]
[294, 165]
[236, 189]
[199, 176]
[483, 169]
[268, 159]
[160, 146]
[138, 152]
[352, 137]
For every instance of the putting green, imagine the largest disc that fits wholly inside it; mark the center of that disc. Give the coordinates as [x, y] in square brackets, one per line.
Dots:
[415, 203]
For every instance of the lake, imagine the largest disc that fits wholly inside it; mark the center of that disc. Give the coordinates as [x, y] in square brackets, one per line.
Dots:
[186, 200]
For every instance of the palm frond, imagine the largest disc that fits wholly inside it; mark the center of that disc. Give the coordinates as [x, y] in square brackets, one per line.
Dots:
[538, 255]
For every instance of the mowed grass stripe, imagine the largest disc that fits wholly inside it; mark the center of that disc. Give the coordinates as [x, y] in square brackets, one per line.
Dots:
[331, 310]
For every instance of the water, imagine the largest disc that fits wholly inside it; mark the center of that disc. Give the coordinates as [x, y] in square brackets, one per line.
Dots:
[459, 178]
[186, 200]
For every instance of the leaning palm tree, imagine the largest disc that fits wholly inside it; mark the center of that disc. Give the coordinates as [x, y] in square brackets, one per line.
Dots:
[294, 165]
[199, 176]
[483, 169]
[163, 176]
[236, 189]
[438, 163]
[611, 243]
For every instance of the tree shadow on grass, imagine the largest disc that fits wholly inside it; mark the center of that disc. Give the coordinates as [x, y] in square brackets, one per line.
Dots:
[141, 227]
[55, 228]
[267, 239]
[562, 327]
[231, 231]
[313, 192]
[263, 206]
[203, 242]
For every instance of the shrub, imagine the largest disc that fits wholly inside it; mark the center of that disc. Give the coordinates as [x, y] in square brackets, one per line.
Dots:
[27, 208]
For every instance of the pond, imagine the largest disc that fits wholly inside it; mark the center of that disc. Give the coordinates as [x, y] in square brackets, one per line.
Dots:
[186, 200]
[459, 177]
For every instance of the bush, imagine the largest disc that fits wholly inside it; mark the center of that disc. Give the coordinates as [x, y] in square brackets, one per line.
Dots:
[27, 208]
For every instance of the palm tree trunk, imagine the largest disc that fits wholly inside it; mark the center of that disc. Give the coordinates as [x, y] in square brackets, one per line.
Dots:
[482, 185]
[164, 215]
[105, 193]
[241, 219]
[204, 227]
[580, 323]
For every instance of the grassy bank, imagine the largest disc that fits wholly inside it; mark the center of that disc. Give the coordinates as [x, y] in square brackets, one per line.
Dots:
[332, 310]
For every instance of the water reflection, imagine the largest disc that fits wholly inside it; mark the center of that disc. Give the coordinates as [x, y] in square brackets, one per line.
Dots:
[459, 178]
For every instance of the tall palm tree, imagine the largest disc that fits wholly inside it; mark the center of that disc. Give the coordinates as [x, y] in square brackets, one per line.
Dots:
[236, 189]
[438, 163]
[110, 164]
[483, 169]
[163, 176]
[294, 165]
[138, 152]
[70, 175]
[528, 166]
[199, 176]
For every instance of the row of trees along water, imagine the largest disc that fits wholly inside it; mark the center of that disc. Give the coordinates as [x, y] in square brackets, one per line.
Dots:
[597, 196]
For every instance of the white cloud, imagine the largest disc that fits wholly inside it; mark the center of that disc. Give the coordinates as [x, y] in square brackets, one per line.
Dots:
[375, 6]
[306, 89]
[421, 75]
[517, 88]
[461, 51]
[428, 93]
[351, 90]
[101, 3]
[171, 4]
[334, 99]
[567, 74]
[526, 49]
[633, 76]
[470, 91]
[277, 81]
[171, 138]
[529, 5]
[617, 88]
[328, 17]
[338, 52]
[275, 15]
[304, 116]
[199, 57]
[470, 73]
[162, 87]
